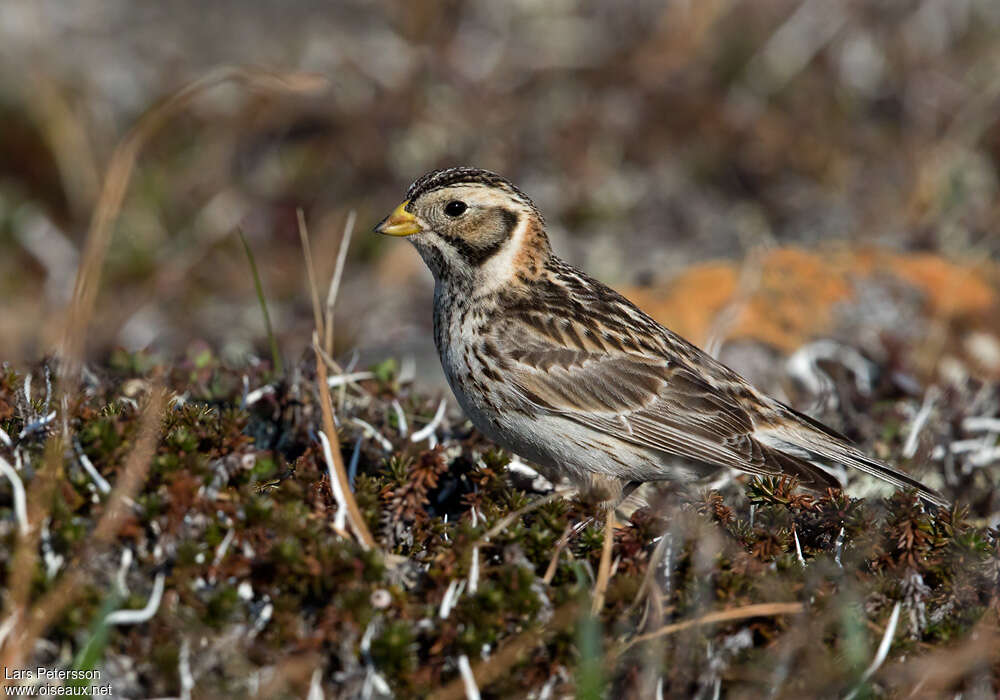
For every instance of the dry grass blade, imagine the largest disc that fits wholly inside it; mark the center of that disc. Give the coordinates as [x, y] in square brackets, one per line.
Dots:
[310, 270]
[561, 544]
[116, 183]
[338, 272]
[272, 340]
[604, 570]
[935, 675]
[354, 517]
[25, 557]
[756, 610]
[41, 614]
[489, 670]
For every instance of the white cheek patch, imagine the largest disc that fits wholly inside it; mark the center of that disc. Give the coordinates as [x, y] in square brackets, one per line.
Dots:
[499, 269]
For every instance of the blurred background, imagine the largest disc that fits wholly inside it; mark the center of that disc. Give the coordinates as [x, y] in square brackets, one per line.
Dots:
[759, 174]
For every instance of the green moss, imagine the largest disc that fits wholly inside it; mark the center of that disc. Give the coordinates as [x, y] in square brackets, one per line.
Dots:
[393, 650]
[325, 588]
[221, 606]
[264, 468]
[100, 437]
[187, 553]
[258, 509]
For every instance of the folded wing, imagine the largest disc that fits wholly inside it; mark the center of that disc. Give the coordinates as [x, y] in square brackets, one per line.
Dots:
[652, 397]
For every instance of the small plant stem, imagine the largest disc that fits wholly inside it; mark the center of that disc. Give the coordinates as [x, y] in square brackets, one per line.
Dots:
[279, 368]
[604, 568]
[310, 271]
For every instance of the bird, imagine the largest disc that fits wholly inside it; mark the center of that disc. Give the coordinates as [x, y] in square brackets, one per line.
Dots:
[564, 372]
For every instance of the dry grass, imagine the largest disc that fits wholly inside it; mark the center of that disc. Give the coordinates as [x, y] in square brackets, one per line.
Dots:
[117, 180]
[34, 617]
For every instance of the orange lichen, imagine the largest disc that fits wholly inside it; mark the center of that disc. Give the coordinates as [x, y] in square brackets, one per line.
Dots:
[951, 289]
[689, 303]
[789, 296]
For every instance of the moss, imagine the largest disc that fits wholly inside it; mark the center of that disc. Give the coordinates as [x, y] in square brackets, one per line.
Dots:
[240, 541]
[394, 650]
[258, 509]
[187, 553]
[221, 606]
[100, 437]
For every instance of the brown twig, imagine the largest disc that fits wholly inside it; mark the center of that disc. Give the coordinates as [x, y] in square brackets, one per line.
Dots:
[604, 569]
[354, 517]
[338, 272]
[755, 610]
[561, 544]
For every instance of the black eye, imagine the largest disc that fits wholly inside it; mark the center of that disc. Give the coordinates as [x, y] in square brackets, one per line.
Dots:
[455, 208]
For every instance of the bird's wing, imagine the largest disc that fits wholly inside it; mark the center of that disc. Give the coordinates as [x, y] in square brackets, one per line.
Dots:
[608, 382]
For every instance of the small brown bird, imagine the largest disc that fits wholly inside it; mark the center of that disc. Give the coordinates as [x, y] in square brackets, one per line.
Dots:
[563, 371]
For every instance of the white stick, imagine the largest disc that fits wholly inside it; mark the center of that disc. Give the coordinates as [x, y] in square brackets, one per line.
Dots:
[20, 503]
[451, 597]
[468, 680]
[429, 429]
[975, 424]
[257, 394]
[88, 466]
[340, 379]
[316, 685]
[474, 572]
[36, 425]
[340, 519]
[839, 547]
[448, 600]
[400, 418]
[881, 653]
[184, 670]
[910, 447]
[133, 617]
[372, 432]
[53, 561]
[7, 626]
[798, 548]
[123, 568]
[223, 547]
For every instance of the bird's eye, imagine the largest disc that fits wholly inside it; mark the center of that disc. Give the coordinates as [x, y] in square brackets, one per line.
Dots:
[455, 208]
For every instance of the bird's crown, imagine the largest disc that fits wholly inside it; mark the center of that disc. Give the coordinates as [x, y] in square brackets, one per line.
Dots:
[463, 175]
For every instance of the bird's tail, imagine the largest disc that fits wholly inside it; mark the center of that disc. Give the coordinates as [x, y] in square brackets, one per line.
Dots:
[817, 440]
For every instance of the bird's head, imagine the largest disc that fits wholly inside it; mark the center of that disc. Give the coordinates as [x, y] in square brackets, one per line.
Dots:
[472, 227]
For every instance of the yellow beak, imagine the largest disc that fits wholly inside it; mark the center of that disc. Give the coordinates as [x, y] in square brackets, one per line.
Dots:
[399, 223]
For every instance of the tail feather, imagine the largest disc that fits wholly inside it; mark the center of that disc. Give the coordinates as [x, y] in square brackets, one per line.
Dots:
[826, 445]
[852, 457]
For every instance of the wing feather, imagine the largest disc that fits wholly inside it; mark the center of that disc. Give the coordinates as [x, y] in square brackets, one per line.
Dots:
[649, 396]
[644, 400]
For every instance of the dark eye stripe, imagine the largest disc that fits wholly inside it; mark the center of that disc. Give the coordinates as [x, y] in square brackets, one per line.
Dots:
[477, 255]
